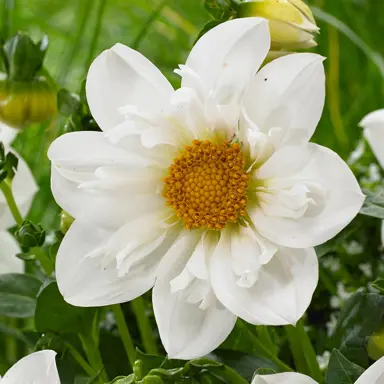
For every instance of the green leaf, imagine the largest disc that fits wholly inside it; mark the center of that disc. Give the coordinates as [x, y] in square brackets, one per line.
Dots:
[244, 363]
[221, 9]
[68, 103]
[55, 315]
[18, 295]
[374, 205]
[123, 380]
[361, 316]
[265, 371]
[145, 363]
[379, 285]
[341, 370]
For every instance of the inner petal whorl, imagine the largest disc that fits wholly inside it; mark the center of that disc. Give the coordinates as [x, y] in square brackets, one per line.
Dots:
[207, 184]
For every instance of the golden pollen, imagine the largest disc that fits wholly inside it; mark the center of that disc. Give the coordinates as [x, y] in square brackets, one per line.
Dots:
[207, 184]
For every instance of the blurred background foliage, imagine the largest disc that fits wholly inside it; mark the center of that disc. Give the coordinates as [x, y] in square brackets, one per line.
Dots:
[164, 31]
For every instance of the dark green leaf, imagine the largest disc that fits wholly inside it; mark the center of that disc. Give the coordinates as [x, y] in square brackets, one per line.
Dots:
[55, 315]
[265, 371]
[361, 315]
[341, 370]
[18, 295]
[243, 363]
[379, 285]
[207, 27]
[374, 205]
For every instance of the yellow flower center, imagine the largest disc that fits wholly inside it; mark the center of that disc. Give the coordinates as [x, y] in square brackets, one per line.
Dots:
[206, 185]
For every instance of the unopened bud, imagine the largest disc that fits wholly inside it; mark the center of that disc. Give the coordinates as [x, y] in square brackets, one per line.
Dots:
[66, 221]
[27, 93]
[291, 22]
[375, 347]
[30, 235]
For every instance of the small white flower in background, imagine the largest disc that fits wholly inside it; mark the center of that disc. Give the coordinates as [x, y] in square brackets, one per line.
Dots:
[36, 368]
[9, 248]
[23, 185]
[210, 193]
[373, 375]
[366, 268]
[331, 325]
[342, 296]
[323, 360]
[373, 125]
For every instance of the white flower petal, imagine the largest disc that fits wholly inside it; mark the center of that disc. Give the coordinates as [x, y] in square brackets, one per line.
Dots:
[373, 125]
[9, 247]
[288, 93]
[226, 57]
[39, 367]
[82, 279]
[122, 76]
[374, 374]
[315, 166]
[186, 330]
[24, 189]
[282, 292]
[7, 134]
[283, 378]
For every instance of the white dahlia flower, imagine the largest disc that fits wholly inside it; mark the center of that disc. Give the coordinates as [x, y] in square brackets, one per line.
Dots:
[211, 193]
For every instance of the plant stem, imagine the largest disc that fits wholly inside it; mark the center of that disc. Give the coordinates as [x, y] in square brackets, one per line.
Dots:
[309, 353]
[284, 367]
[124, 333]
[147, 24]
[96, 33]
[80, 360]
[144, 326]
[93, 355]
[6, 188]
[297, 351]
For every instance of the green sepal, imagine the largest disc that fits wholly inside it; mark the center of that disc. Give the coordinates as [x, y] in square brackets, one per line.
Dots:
[23, 57]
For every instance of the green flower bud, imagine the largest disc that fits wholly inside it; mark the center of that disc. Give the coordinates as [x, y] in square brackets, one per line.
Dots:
[375, 346]
[30, 235]
[66, 221]
[27, 93]
[291, 22]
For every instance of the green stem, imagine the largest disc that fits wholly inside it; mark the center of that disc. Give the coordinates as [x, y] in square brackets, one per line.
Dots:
[124, 333]
[93, 355]
[96, 33]
[297, 351]
[83, 12]
[147, 24]
[284, 367]
[80, 360]
[11, 343]
[144, 326]
[309, 353]
[6, 187]
[265, 337]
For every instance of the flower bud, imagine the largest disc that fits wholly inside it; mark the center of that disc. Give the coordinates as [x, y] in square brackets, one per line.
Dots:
[27, 93]
[66, 221]
[30, 235]
[375, 346]
[291, 22]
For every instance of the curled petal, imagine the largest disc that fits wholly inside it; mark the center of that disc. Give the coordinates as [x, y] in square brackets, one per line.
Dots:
[39, 367]
[320, 194]
[288, 93]
[374, 374]
[281, 293]
[283, 378]
[227, 57]
[187, 329]
[373, 125]
[121, 76]
[83, 277]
